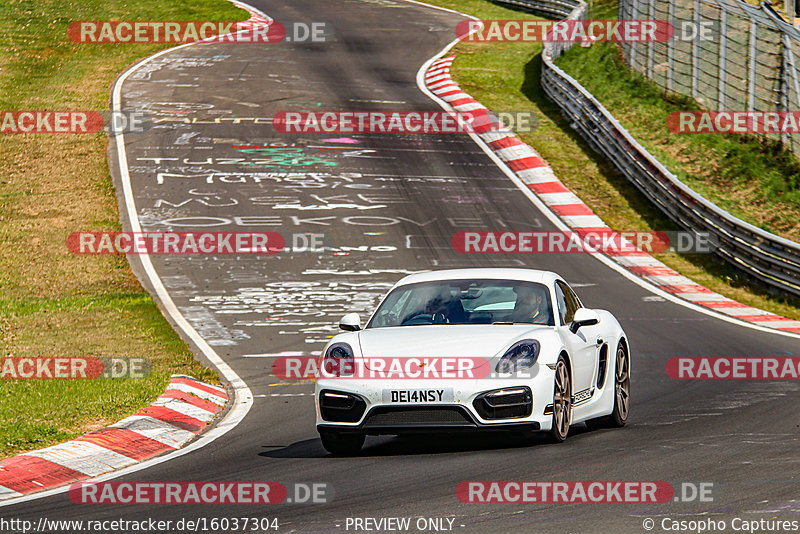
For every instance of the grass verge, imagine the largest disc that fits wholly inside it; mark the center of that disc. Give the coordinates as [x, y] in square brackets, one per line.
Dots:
[54, 303]
[506, 76]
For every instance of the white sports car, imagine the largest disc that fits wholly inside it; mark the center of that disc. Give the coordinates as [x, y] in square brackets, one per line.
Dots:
[473, 349]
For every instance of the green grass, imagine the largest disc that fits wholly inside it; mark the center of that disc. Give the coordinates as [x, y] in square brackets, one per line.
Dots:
[778, 5]
[52, 302]
[506, 76]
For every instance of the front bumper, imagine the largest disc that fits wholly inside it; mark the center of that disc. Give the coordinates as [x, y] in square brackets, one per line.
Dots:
[361, 406]
[418, 420]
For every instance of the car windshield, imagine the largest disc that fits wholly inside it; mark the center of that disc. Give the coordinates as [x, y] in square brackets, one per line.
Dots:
[465, 302]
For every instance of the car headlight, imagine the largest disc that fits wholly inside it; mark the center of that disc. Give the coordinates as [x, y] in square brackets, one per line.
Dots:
[521, 355]
[338, 361]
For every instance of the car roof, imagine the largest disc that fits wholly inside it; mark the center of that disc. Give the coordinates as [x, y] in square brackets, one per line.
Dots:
[527, 275]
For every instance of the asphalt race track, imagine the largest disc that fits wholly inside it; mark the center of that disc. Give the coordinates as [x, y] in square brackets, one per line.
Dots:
[388, 205]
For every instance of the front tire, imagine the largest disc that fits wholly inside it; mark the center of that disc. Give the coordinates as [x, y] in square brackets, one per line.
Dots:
[341, 444]
[562, 401]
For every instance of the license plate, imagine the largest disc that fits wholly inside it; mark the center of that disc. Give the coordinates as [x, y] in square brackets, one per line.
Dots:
[418, 396]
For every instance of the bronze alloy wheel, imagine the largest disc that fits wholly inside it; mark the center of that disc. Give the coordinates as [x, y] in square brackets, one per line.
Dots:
[622, 386]
[562, 401]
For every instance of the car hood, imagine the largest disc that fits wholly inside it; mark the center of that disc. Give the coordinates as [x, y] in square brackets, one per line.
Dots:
[468, 341]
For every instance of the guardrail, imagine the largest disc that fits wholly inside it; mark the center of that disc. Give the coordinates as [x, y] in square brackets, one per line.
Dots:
[557, 9]
[770, 258]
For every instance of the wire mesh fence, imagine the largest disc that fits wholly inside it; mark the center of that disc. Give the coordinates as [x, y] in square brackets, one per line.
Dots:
[726, 54]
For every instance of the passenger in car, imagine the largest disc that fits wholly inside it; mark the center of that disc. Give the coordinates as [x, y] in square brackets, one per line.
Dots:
[530, 307]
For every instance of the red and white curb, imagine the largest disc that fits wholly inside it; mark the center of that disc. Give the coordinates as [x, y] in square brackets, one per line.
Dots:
[186, 408]
[256, 20]
[540, 178]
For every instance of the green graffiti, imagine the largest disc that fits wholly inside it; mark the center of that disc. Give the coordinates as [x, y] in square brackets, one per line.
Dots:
[285, 156]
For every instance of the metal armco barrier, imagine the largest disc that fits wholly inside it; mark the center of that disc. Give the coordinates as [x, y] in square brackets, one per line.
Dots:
[762, 255]
[556, 9]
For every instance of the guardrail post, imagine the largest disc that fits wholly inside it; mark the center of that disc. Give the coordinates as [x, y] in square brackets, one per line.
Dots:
[751, 89]
[723, 59]
[789, 70]
[696, 53]
[634, 46]
[790, 8]
[671, 50]
[782, 100]
[651, 50]
[623, 14]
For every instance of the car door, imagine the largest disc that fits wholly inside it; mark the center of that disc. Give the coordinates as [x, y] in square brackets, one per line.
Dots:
[582, 346]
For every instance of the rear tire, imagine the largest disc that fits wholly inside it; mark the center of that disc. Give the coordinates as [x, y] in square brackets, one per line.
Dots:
[562, 402]
[622, 393]
[341, 444]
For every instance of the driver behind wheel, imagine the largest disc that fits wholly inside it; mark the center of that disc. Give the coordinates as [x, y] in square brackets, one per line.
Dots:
[530, 307]
[444, 308]
[439, 309]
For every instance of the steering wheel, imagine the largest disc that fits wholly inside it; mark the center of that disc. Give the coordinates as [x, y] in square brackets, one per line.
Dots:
[418, 318]
[386, 318]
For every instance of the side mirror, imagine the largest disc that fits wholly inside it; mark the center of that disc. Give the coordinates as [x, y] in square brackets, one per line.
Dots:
[350, 322]
[583, 317]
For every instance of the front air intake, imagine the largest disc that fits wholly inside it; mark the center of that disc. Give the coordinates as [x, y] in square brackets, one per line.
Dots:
[508, 403]
[341, 407]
